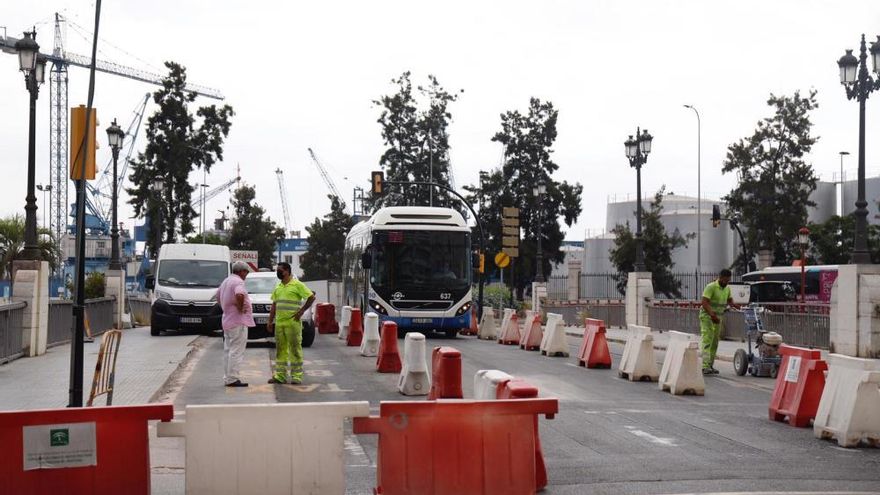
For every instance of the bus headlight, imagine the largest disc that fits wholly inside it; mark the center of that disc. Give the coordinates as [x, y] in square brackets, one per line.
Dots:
[463, 309]
[378, 307]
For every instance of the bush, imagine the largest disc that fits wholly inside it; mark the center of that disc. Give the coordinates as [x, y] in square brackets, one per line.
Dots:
[497, 296]
[94, 285]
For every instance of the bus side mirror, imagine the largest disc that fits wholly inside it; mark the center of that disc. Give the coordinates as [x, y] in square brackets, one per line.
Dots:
[366, 260]
[150, 282]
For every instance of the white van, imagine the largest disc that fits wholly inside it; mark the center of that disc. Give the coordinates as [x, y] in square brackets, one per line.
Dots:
[184, 285]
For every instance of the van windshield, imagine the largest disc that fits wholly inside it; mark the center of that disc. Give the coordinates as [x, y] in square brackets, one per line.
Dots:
[192, 273]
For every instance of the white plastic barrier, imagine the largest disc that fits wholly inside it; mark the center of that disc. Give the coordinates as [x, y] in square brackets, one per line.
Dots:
[414, 377]
[682, 371]
[265, 448]
[346, 322]
[554, 342]
[527, 322]
[486, 383]
[488, 330]
[370, 342]
[637, 363]
[850, 406]
[510, 328]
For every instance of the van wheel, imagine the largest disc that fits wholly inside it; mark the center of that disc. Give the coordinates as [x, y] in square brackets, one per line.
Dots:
[154, 330]
[308, 334]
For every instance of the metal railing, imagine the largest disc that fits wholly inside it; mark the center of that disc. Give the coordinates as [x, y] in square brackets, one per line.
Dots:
[60, 322]
[605, 285]
[140, 310]
[100, 314]
[612, 312]
[11, 316]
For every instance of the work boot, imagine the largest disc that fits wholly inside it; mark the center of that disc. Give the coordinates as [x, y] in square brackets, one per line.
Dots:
[713, 370]
[707, 371]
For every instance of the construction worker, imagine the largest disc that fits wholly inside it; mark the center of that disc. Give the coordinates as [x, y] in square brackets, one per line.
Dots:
[290, 299]
[716, 298]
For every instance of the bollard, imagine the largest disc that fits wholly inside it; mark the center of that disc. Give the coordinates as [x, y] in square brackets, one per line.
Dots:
[346, 321]
[389, 356]
[414, 379]
[371, 338]
[355, 329]
[488, 330]
[446, 371]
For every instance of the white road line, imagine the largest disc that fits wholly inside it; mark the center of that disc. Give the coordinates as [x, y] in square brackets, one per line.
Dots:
[666, 442]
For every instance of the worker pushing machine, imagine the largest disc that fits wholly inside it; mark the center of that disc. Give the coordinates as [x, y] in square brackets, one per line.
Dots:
[716, 299]
[290, 300]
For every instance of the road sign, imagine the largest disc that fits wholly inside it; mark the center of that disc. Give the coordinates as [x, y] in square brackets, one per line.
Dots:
[502, 260]
[514, 231]
[510, 222]
[510, 212]
[510, 241]
[511, 251]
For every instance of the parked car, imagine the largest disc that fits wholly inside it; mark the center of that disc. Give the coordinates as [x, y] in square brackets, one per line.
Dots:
[260, 286]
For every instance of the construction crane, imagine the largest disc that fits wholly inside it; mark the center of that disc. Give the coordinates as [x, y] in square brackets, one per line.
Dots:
[282, 188]
[197, 204]
[330, 185]
[58, 110]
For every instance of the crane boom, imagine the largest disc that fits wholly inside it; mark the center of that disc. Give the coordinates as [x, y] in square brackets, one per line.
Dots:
[330, 185]
[282, 188]
[217, 190]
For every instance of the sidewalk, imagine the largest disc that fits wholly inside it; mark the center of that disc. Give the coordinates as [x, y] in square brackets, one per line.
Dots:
[726, 348]
[142, 366]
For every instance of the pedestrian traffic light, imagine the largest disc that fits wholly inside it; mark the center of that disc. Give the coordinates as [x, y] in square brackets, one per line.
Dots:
[716, 215]
[79, 144]
[378, 179]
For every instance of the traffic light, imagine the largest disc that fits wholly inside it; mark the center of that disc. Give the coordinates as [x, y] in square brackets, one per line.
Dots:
[482, 263]
[378, 179]
[78, 146]
[716, 215]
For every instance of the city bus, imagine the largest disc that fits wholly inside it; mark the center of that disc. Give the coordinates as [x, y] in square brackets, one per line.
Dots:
[819, 279]
[411, 265]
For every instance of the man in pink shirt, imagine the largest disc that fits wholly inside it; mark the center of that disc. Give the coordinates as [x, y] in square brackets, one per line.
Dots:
[237, 317]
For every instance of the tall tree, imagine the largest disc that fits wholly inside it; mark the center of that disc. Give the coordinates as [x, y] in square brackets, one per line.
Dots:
[528, 139]
[774, 180]
[175, 147]
[252, 229]
[12, 244]
[323, 260]
[659, 245]
[417, 142]
[831, 242]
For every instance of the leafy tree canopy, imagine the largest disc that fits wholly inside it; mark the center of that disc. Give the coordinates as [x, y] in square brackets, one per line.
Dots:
[252, 229]
[12, 244]
[831, 243]
[323, 260]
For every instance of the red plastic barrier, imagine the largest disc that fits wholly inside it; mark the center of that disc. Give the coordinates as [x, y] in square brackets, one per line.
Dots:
[122, 449]
[594, 347]
[355, 329]
[531, 341]
[519, 389]
[510, 333]
[461, 447]
[389, 357]
[445, 374]
[799, 386]
[474, 329]
[325, 318]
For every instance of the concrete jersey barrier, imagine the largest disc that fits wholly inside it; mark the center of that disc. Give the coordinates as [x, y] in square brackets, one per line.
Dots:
[554, 342]
[682, 372]
[488, 330]
[637, 362]
[849, 410]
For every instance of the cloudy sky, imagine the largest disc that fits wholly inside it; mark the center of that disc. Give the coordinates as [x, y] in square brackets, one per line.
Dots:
[304, 74]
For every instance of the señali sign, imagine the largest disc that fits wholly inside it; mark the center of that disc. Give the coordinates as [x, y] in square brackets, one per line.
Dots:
[249, 257]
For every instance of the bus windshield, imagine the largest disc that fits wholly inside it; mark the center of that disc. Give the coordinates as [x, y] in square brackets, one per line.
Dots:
[192, 273]
[420, 259]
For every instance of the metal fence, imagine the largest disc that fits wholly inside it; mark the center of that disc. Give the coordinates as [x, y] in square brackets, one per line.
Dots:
[140, 310]
[10, 331]
[60, 322]
[100, 314]
[612, 312]
[604, 285]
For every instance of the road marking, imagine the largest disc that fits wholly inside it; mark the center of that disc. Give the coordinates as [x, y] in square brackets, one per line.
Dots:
[332, 387]
[356, 451]
[666, 442]
[319, 373]
[303, 388]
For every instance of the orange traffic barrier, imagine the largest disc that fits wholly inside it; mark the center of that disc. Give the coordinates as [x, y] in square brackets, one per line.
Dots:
[445, 374]
[519, 389]
[594, 348]
[533, 335]
[355, 329]
[325, 318]
[473, 329]
[389, 357]
[78, 450]
[443, 447]
[510, 331]
[799, 386]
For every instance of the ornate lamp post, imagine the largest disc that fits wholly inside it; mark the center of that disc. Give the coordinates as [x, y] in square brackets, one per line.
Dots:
[157, 186]
[34, 68]
[859, 84]
[804, 243]
[539, 191]
[637, 150]
[115, 136]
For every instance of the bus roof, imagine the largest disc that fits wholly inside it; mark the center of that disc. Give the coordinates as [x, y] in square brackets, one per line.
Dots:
[794, 269]
[425, 216]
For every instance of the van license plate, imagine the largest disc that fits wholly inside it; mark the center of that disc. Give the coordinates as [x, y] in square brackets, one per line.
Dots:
[261, 320]
[185, 319]
[422, 320]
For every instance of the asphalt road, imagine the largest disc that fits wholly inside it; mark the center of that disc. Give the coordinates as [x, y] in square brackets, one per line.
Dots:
[611, 436]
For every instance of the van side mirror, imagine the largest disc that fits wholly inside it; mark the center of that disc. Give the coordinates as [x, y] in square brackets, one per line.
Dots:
[150, 282]
[366, 260]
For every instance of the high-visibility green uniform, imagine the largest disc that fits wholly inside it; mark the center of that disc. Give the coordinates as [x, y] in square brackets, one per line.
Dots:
[288, 299]
[718, 297]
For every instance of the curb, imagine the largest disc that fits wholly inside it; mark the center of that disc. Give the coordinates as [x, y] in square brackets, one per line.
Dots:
[659, 347]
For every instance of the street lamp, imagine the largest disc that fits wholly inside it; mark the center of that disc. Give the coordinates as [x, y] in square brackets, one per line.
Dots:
[859, 84]
[699, 192]
[637, 150]
[539, 191]
[34, 68]
[804, 242]
[157, 187]
[115, 136]
[842, 154]
[45, 189]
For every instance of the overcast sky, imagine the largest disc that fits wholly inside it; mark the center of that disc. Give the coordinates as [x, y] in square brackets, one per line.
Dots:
[304, 75]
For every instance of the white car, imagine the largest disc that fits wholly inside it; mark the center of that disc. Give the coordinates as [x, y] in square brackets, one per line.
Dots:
[260, 286]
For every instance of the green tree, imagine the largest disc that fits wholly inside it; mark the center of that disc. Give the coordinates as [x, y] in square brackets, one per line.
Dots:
[252, 229]
[12, 244]
[323, 260]
[659, 245]
[175, 147]
[831, 242]
[208, 238]
[417, 142]
[527, 139]
[774, 181]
